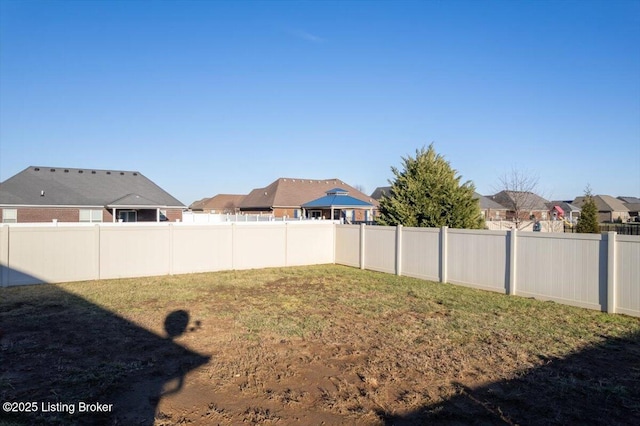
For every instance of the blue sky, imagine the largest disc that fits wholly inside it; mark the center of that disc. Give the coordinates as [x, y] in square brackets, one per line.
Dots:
[223, 97]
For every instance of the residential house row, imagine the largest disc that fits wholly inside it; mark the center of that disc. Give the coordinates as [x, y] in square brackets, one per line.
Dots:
[46, 194]
[520, 205]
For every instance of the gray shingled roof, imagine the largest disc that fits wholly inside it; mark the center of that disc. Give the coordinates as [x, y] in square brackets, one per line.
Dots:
[380, 191]
[631, 200]
[527, 200]
[487, 203]
[53, 186]
[566, 206]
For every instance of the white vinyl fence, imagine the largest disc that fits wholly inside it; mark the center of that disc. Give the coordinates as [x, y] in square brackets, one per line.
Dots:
[592, 271]
[52, 254]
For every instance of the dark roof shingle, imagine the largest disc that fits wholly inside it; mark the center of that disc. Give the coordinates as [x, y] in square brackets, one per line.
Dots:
[52, 186]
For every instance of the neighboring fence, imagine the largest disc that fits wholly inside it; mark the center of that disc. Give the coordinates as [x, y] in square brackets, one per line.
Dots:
[526, 225]
[620, 228]
[199, 217]
[53, 254]
[592, 271]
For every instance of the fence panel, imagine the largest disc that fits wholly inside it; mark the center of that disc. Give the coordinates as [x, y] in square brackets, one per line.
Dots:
[420, 253]
[201, 248]
[478, 259]
[380, 248]
[52, 255]
[570, 269]
[309, 244]
[134, 251]
[348, 245]
[259, 246]
[628, 275]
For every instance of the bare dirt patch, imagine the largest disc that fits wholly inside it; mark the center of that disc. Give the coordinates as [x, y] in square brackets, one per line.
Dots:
[317, 345]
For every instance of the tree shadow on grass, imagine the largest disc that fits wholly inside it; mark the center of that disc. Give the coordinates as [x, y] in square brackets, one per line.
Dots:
[58, 350]
[598, 385]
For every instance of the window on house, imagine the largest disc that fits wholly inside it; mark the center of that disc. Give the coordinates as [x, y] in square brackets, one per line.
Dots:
[316, 214]
[128, 215]
[10, 216]
[90, 215]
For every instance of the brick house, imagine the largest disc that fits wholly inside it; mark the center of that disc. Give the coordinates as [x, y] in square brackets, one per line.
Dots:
[45, 194]
[610, 209]
[523, 205]
[285, 196]
[221, 204]
[490, 209]
[633, 205]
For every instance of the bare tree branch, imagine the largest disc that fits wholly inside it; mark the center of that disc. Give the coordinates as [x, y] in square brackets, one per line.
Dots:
[517, 191]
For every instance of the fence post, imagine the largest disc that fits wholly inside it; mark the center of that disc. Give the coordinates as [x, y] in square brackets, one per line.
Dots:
[362, 226]
[443, 254]
[513, 238]
[399, 250]
[335, 241]
[4, 255]
[611, 272]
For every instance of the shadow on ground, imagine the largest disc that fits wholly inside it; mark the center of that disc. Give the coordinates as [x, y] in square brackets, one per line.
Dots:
[58, 350]
[598, 385]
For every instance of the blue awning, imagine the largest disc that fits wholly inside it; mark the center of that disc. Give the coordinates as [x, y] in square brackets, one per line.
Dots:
[337, 200]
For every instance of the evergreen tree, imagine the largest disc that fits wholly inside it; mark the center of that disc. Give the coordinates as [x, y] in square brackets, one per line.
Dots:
[427, 193]
[588, 220]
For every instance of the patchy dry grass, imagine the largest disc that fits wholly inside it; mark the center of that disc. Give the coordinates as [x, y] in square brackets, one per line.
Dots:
[314, 344]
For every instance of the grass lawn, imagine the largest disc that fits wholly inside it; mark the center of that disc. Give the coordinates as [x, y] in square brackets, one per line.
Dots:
[308, 345]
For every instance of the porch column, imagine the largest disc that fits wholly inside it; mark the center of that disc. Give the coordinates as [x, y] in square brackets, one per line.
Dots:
[157, 214]
[114, 215]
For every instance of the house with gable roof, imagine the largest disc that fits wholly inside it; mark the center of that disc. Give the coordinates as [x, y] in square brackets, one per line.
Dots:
[220, 204]
[633, 205]
[564, 210]
[490, 209]
[380, 192]
[285, 196]
[522, 205]
[45, 194]
[610, 209]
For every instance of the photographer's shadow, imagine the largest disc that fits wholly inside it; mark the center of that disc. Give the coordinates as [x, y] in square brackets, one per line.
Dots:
[138, 404]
